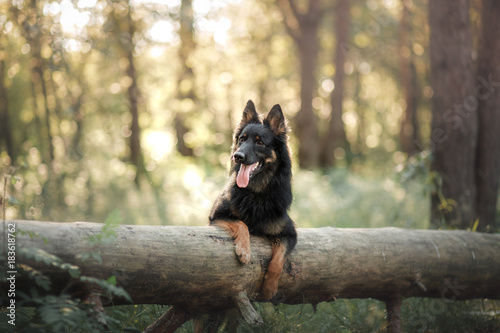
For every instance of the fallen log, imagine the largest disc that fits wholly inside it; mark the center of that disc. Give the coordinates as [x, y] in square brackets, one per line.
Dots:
[195, 268]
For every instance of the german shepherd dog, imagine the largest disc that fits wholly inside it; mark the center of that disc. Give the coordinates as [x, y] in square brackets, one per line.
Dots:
[258, 193]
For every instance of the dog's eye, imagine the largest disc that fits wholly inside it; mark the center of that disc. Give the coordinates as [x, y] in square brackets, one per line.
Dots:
[259, 142]
[242, 138]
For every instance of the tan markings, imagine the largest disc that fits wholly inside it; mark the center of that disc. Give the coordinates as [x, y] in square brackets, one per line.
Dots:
[271, 279]
[239, 231]
[272, 159]
[249, 116]
[278, 125]
[273, 228]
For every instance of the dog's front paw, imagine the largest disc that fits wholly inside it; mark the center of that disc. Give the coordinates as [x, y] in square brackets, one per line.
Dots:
[269, 287]
[242, 249]
[239, 231]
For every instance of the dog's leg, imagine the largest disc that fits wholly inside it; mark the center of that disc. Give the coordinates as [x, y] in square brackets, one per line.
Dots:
[271, 279]
[239, 231]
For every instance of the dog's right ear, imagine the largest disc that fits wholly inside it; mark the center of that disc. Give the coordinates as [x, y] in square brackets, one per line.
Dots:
[250, 115]
[276, 120]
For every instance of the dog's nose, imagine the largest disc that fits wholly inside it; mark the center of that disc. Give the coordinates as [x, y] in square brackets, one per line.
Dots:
[239, 157]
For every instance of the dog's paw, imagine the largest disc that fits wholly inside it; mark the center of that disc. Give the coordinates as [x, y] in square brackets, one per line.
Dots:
[269, 287]
[242, 249]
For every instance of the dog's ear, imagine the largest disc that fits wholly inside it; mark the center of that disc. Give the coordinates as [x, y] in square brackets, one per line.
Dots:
[276, 120]
[249, 114]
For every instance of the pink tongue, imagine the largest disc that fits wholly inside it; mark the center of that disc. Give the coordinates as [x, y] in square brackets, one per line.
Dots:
[243, 176]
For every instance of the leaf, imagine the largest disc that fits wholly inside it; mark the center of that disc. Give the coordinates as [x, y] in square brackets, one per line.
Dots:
[112, 280]
[82, 257]
[476, 223]
[14, 201]
[113, 290]
[96, 256]
[112, 222]
[73, 270]
[43, 282]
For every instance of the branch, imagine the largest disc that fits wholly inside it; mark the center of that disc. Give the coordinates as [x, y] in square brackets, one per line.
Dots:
[293, 29]
[246, 309]
[295, 11]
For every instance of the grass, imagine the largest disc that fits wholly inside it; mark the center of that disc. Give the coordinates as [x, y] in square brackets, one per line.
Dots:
[419, 315]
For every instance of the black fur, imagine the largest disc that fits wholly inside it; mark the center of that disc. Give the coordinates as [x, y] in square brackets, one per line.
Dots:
[263, 204]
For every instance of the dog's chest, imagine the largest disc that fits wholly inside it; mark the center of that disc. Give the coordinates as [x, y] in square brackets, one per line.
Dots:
[261, 213]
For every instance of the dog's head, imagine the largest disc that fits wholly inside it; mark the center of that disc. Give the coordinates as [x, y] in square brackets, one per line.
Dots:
[257, 144]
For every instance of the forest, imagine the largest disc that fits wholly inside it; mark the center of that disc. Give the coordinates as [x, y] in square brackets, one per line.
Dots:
[122, 111]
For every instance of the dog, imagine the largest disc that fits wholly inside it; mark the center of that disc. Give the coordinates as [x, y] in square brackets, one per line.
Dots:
[258, 193]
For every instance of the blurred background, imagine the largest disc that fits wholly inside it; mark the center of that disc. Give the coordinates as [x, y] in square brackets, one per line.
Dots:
[127, 107]
[130, 105]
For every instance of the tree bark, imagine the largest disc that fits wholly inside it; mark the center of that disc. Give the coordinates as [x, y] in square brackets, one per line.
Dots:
[454, 109]
[393, 307]
[335, 136]
[196, 270]
[488, 95]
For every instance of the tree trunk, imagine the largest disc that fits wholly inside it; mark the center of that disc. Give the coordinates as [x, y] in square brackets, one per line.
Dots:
[133, 95]
[306, 122]
[5, 126]
[360, 146]
[488, 94]
[303, 28]
[123, 30]
[77, 101]
[32, 28]
[454, 121]
[408, 134]
[185, 81]
[335, 136]
[196, 270]
[32, 25]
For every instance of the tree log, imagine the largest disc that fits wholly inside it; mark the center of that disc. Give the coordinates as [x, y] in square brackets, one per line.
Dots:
[195, 268]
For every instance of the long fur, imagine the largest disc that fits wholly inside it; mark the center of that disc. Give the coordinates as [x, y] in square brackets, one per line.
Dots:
[263, 205]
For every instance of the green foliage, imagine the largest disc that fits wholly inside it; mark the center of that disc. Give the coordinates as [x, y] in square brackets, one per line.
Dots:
[61, 312]
[48, 259]
[106, 236]
[343, 199]
[135, 318]
[368, 315]
[108, 286]
[108, 231]
[340, 316]
[435, 315]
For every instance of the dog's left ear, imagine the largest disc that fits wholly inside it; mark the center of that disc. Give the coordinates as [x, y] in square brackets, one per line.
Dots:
[276, 121]
[250, 115]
